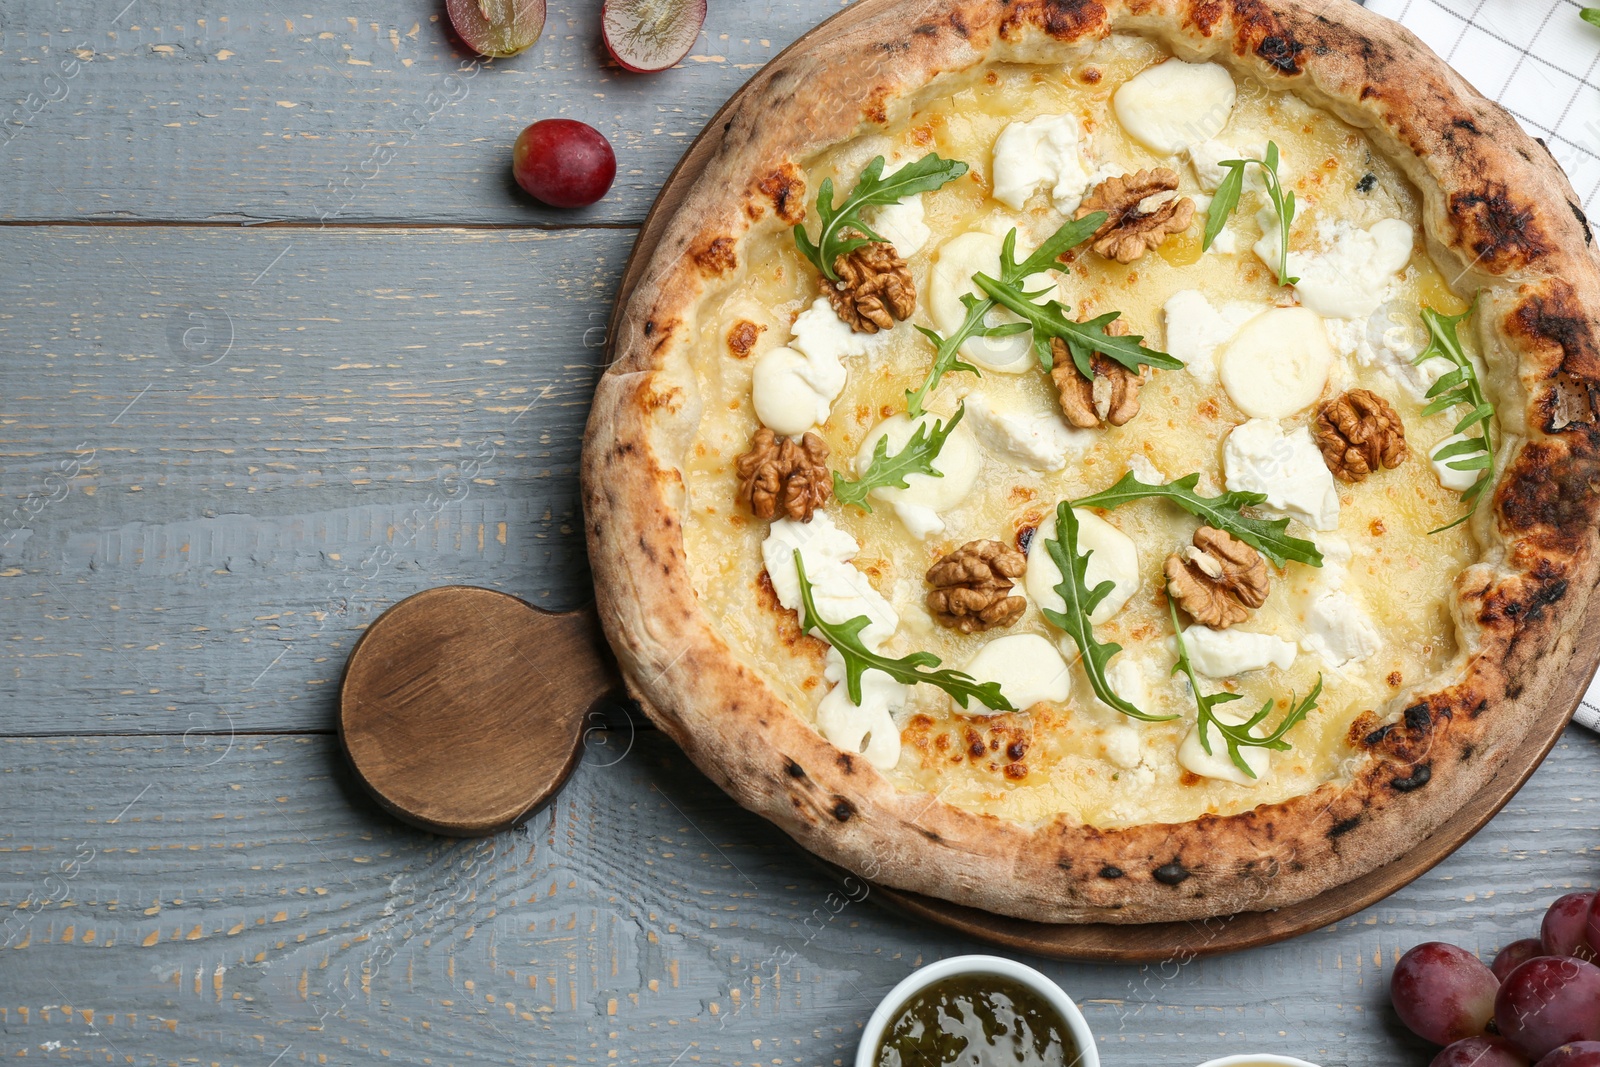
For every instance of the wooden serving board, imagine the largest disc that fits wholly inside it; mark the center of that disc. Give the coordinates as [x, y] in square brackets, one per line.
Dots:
[1155, 942]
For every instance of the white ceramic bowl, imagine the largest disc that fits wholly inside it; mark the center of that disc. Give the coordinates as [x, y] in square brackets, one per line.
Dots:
[1017, 972]
[1257, 1061]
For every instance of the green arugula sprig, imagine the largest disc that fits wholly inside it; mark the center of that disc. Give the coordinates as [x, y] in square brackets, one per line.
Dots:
[1240, 736]
[1590, 15]
[947, 350]
[845, 637]
[1080, 602]
[1226, 201]
[1460, 388]
[1225, 512]
[872, 189]
[1049, 320]
[890, 472]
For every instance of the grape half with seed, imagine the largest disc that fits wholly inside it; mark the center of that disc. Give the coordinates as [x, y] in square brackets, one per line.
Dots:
[497, 28]
[651, 35]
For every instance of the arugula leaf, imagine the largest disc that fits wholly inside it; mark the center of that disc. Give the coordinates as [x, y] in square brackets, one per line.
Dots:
[845, 637]
[1083, 339]
[947, 350]
[1267, 536]
[1240, 736]
[1460, 388]
[1590, 15]
[872, 190]
[890, 472]
[1226, 202]
[1080, 603]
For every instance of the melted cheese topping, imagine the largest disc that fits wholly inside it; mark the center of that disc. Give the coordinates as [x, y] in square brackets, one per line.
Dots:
[1375, 622]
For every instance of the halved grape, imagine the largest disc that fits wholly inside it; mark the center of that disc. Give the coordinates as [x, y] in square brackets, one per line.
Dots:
[497, 28]
[1566, 927]
[1479, 1052]
[563, 162]
[1443, 993]
[1515, 955]
[1548, 1002]
[651, 35]
[1577, 1054]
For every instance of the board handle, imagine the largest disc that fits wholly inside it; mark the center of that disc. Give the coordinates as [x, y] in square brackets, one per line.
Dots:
[463, 710]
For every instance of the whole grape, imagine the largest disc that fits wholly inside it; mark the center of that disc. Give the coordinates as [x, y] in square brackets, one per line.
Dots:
[563, 162]
[1577, 1054]
[1443, 993]
[1548, 1002]
[1479, 1052]
[1566, 927]
[1594, 922]
[1515, 955]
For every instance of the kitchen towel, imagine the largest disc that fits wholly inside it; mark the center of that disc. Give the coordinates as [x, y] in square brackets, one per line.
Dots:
[1541, 61]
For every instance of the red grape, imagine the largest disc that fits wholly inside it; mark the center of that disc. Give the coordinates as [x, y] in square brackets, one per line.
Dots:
[1515, 955]
[1577, 1054]
[563, 162]
[1594, 922]
[1443, 993]
[1566, 927]
[497, 27]
[1479, 1052]
[1547, 1002]
[651, 35]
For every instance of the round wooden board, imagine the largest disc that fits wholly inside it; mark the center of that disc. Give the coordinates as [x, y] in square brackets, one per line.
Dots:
[1155, 942]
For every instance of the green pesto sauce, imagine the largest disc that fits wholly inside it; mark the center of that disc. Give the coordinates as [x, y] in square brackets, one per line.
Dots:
[977, 1020]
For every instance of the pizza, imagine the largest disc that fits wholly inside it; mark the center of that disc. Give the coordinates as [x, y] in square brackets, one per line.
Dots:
[1104, 460]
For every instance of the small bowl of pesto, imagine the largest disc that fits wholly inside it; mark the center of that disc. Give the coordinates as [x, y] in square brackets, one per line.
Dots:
[977, 1011]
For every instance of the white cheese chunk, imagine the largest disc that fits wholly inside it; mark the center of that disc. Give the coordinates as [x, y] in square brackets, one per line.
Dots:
[1039, 441]
[1113, 558]
[794, 387]
[1196, 329]
[1456, 481]
[1148, 473]
[920, 504]
[957, 260]
[1028, 668]
[1226, 653]
[1353, 274]
[1260, 458]
[867, 729]
[840, 591]
[822, 335]
[793, 393]
[1126, 676]
[1043, 153]
[1176, 104]
[1277, 364]
[1121, 745]
[1206, 158]
[1192, 755]
[904, 224]
[1339, 631]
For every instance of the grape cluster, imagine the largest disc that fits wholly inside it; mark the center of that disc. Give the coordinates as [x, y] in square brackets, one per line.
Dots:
[1538, 1003]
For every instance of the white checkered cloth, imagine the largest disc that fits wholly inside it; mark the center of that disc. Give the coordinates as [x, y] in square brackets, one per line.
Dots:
[1542, 63]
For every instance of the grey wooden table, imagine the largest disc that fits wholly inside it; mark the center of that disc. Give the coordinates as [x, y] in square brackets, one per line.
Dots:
[283, 344]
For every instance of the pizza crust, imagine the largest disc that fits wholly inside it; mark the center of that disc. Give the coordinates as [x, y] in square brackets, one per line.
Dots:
[1497, 211]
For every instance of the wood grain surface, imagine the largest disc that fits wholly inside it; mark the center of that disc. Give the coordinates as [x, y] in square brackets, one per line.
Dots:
[196, 530]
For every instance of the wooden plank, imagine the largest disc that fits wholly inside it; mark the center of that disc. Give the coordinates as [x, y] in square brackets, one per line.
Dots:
[208, 902]
[367, 111]
[194, 532]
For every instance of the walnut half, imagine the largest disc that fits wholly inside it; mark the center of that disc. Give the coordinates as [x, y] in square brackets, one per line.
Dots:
[874, 288]
[782, 474]
[1111, 398]
[1219, 580]
[972, 587]
[1130, 232]
[1359, 433]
